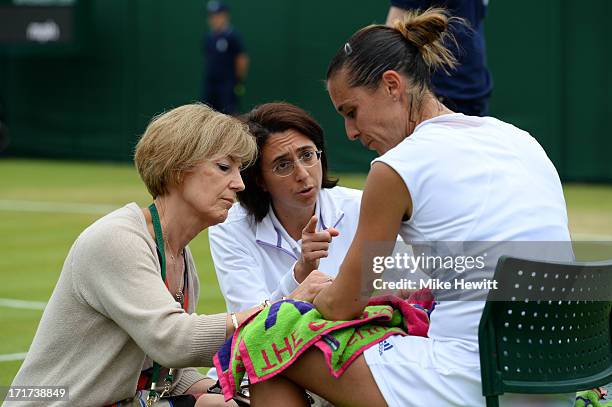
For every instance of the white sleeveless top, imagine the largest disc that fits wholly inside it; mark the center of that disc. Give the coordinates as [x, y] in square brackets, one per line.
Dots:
[471, 179]
[476, 179]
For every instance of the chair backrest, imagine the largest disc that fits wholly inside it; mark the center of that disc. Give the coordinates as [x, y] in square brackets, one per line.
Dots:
[549, 338]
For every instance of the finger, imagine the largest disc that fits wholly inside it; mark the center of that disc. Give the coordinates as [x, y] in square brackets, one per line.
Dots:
[316, 255]
[323, 279]
[316, 288]
[311, 226]
[333, 232]
[314, 246]
[322, 284]
[322, 236]
[316, 275]
[325, 284]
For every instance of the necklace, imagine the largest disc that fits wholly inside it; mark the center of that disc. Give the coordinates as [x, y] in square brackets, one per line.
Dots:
[179, 295]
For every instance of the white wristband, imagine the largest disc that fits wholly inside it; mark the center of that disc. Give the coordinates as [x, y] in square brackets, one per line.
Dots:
[234, 320]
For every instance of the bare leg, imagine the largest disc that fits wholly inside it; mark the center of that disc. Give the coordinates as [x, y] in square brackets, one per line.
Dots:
[277, 391]
[208, 400]
[213, 400]
[356, 387]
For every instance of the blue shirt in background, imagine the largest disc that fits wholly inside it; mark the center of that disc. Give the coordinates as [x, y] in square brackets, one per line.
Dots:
[220, 50]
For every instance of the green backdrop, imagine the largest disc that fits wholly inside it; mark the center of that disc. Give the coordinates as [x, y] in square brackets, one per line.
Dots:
[550, 61]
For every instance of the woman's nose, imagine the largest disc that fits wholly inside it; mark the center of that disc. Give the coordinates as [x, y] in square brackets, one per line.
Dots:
[237, 184]
[300, 171]
[351, 130]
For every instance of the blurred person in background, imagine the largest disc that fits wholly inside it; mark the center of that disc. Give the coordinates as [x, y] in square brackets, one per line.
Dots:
[465, 89]
[122, 315]
[225, 59]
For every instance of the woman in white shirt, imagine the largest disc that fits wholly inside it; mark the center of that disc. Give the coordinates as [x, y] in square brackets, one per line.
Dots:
[441, 177]
[291, 217]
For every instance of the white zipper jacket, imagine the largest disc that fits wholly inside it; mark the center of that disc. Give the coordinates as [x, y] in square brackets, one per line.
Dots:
[255, 261]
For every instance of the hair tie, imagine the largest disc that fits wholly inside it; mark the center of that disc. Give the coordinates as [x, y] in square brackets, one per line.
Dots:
[348, 50]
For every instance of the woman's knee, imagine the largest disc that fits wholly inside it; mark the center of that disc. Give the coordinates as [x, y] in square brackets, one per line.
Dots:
[355, 387]
[213, 400]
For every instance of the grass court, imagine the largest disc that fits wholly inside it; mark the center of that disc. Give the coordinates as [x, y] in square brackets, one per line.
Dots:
[44, 205]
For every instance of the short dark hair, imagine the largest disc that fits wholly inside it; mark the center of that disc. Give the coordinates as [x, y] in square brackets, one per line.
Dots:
[264, 120]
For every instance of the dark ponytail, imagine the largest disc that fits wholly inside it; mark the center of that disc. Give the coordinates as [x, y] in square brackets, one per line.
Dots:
[414, 47]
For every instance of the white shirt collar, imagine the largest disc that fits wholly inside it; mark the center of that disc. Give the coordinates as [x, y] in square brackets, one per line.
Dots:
[271, 232]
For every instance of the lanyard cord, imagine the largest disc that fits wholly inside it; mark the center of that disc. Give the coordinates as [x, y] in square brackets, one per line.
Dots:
[159, 239]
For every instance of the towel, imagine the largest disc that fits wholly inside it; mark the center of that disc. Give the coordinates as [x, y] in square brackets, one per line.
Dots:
[272, 340]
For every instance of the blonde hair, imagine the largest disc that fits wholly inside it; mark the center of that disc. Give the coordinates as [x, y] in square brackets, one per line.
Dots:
[178, 140]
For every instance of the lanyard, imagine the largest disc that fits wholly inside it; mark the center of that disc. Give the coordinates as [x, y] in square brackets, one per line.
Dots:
[159, 240]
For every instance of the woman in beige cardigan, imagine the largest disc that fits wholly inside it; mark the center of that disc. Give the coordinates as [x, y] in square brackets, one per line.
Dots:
[122, 314]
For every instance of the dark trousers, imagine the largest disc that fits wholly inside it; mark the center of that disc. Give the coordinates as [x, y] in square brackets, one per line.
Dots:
[221, 97]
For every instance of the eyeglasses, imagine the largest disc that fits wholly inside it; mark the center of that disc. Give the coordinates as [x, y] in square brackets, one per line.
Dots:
[307, 158]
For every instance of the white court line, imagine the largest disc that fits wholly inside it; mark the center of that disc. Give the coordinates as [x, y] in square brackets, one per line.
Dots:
[97, 209]
[55, 207]
[21, 304]
[10, 303]
[13, 357]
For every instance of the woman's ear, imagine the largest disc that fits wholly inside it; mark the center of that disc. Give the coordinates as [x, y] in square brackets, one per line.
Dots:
[176, 180]
[394, 84]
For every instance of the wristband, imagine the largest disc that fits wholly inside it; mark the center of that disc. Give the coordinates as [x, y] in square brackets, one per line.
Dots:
[234, 320]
